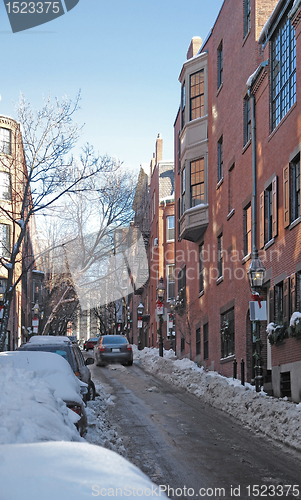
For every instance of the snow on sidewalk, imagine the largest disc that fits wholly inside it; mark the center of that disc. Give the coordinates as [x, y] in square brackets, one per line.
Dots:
[276, 418]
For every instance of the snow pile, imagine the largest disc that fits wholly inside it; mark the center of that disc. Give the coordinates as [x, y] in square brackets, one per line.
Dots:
[276, 418]
[100, 429]
[30, 411]
[69, 471]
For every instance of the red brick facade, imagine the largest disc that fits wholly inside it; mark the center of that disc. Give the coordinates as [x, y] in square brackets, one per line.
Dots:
[227, 59]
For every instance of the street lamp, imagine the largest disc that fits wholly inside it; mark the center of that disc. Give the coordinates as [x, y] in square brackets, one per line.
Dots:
[256, 272]
[140, 309]
[160, 311]
[256, 275]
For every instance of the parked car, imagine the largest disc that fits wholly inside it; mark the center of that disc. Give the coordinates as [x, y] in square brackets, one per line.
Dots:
[58, 374]
[91, 343]
[70, 351]
[113, 349]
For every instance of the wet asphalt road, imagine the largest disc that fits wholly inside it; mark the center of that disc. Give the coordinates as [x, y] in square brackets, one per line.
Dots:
[195, 450]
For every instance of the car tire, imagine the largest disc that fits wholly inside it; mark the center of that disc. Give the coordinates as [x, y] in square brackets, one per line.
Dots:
[91, 391]
[130, 363]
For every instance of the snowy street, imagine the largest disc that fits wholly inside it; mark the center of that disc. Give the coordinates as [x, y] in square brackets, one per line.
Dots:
[182, 442]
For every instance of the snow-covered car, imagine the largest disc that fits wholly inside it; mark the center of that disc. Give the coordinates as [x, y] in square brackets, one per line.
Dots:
[113, 349]
[58, 375]
[63, 346]
[70, 471]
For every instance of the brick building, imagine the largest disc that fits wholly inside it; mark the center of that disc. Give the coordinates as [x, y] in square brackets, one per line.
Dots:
[12, 181]
[250, 54]
[154, 215]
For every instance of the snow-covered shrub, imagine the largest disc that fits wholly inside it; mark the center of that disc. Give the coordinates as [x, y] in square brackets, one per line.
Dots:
[276, 333]
[294, 330]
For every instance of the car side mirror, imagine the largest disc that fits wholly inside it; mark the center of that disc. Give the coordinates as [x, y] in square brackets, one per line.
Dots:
[89, 361]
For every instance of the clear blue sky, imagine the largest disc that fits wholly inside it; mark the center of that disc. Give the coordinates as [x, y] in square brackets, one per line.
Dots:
[125, 56]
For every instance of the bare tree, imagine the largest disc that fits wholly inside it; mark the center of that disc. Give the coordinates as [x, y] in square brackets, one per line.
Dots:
[48, 175]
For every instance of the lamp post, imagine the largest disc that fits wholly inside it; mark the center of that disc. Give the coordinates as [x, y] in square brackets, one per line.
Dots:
[160, 311]
[256, 275]
[140, 309]
[172, 304]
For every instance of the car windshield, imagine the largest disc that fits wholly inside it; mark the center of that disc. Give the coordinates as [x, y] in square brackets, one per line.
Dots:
[114, 339]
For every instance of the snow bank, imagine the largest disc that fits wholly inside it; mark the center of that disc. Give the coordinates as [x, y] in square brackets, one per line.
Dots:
[276, 418]
[69, 471]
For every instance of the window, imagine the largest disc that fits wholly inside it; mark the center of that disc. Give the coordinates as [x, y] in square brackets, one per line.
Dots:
[197, 177]
[183, 104]
[197, 95]
[182, 279]
[220, 65]
[247, 120]
[5, 141]
[170, 228]
[170, 281]
[278, 304]
[198, 341]
[179, 217]
[5, 187]
[220, 255]
[230, 194]
[183, 189]
[295, 188]
[283, 66]
[268, 213]
[206, 341]
[227, 333]
[220, 159]
[36, 292]
[3, 284]
[179, 153]
[247, 230]
[247, 16]
[4, 240]
[201, 268]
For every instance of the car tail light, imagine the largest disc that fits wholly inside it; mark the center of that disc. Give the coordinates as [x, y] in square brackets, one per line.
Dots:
[101, 348]
[76, 409]
[129, 347]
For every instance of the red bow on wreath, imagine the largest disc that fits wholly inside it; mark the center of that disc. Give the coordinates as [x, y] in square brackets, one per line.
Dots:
[256, 296]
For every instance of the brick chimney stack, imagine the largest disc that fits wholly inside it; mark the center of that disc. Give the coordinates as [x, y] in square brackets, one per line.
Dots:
[159, 149]
[263, 10]
[194, 47]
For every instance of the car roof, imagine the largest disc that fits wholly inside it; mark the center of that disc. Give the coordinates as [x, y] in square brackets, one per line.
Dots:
[49, 339]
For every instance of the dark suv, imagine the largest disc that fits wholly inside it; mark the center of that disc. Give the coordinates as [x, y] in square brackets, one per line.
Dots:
[70, 351]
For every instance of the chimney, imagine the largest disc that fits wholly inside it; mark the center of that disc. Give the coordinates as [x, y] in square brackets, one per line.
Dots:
[159, 149]
[263, 10]
[194, 47]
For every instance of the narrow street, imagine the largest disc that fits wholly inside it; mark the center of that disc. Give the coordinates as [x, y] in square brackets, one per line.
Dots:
[196, 450]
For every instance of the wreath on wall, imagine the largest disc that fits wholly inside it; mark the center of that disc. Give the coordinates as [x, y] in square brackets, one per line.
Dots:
[225, 331]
